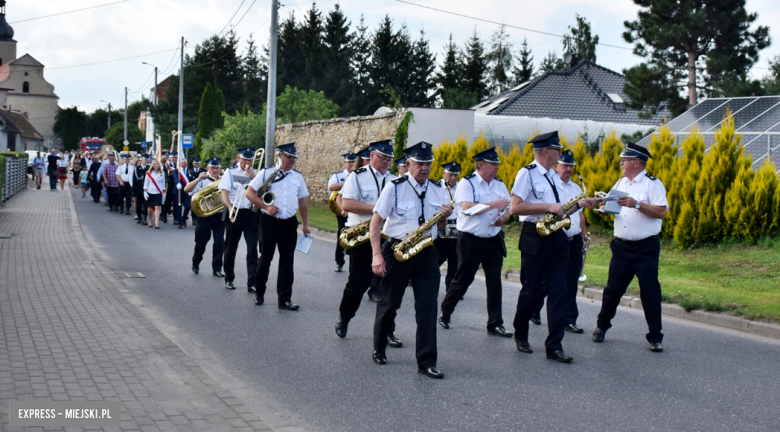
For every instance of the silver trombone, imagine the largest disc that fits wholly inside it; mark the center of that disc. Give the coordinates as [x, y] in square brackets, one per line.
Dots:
[259, 153]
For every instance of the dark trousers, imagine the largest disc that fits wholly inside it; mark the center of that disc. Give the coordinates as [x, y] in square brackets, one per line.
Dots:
[246, 225]
[473, 251]
[111, 193]
[282, 234]
[203, 231]
[340, 250]
[361, 278]
[124, 197]
[96, 189]
[181, 210]
[572, 280]
[630, 258]
[448, 252]
[53, 180]
[548, 263]
[425, 275]
[166, 207]
[140, 206]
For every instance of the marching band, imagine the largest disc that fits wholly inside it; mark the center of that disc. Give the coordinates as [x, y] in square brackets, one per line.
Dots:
[388, 223]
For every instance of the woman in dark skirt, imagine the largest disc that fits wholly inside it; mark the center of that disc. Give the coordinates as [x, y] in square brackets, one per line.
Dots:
[154, 191]
[94, 181]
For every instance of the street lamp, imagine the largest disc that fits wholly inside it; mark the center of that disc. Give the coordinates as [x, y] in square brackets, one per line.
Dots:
[154, 123]
[109, 112]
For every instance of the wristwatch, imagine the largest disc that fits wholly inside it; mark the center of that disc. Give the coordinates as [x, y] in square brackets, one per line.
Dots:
[636, 206]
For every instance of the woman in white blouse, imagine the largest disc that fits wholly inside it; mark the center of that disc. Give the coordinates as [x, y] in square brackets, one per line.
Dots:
[154, 192]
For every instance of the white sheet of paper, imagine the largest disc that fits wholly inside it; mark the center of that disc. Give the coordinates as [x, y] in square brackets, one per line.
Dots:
[612, 206]
[475, 209]
[304, 243]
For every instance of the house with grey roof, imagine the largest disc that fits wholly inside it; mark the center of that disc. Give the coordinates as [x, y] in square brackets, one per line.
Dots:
[17, 133]
[583, 98]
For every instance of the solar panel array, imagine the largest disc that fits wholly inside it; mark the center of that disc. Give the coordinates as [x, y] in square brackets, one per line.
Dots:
[756, 118]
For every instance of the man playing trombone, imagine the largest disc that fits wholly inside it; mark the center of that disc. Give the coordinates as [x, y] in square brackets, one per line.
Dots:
[241, 221]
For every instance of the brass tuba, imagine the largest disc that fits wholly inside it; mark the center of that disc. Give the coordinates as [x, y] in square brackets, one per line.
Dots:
[207, 201]
[551, 223]
[414, 243]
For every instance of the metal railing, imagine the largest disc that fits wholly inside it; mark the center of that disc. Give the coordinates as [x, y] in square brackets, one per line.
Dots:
[15, 177]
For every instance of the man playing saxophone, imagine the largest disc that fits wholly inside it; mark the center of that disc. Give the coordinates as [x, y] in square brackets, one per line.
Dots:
[407, 204]
[208, 225]
[537, 191]
[245, 222]
[335, 183]
[358, 196]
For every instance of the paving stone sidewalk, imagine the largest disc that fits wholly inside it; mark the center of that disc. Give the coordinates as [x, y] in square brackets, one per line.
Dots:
[68, 333]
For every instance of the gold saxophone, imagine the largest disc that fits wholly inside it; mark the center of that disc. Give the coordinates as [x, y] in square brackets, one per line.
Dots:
[355, 235]
[207, 201]
[333, 205]
[551, 222]
[419, 239]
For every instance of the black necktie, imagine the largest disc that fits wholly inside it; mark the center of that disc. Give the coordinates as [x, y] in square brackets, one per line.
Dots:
[126, 168]
[555, 191]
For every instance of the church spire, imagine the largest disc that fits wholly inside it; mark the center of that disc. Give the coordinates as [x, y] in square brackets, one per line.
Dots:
[6, 31]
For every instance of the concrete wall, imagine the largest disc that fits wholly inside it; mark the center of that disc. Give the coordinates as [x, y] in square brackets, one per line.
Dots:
[41, 112]
[320, 144]
[435, 125]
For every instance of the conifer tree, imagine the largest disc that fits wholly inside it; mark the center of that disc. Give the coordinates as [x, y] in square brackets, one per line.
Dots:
[255, 77]
[359, 102]
[476, 67]
[525, 61]
[338, 76]
[384, 67]
[290, 62]
[312, 48]
[500, 61]
[422, 78]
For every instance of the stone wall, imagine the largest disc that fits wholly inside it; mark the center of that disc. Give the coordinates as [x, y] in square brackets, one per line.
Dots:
[320, 144]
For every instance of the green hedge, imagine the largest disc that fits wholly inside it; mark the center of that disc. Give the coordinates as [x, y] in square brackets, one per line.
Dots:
[21, 155]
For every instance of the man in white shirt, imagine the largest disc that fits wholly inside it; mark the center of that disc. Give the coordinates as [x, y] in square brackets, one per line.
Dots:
[278, 224]
[480, 240]
[335, 183]
[209, 225]
[636, 247]
[125, 173]
[245, 221]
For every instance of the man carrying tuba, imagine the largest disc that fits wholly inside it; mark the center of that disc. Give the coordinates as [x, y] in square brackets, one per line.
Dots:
[209, 225]
[335, 184]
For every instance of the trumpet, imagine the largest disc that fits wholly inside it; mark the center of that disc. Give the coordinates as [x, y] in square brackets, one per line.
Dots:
[259, 153]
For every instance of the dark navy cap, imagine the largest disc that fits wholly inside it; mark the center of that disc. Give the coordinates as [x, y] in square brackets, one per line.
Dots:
[146, 156]
[214, 162]
[452, 167]
[164, 154]
[247, 153]
[126, 156]
[173, 154]
[364, 153]
[384, 147]
[549, 139]
[349, 157]
[400, 161]
[196, 160]
[635, 151]
[288, 149]
[420, 152]
[488, 155]
[567, 158]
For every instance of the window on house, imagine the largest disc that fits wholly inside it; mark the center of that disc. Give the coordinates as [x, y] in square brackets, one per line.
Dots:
[26, 87]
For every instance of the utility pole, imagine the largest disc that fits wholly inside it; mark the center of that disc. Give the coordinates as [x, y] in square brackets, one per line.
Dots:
[109, 113]
[270, 121]
[125, 141]
[181, 90]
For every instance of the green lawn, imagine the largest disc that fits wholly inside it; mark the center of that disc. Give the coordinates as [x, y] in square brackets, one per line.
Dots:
[741, 279]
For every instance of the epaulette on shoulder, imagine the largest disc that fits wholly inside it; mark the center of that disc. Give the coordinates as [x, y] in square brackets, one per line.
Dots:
[297, 171]
[530, 166]
[360, 170]
[399, 180]
[650, 176]
[496, 178]
[472, 175]
[437, 183]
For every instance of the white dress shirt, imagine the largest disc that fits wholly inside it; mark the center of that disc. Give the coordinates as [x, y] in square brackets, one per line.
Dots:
[571, 190]
[126, 173]
[287, 190]
[456, 210]
[364, 185]
[159, 178]
[474, 189]
[339, 177]
[399, 205]
[200, 184]
[631, 224]
[233, 179]
[534, 186]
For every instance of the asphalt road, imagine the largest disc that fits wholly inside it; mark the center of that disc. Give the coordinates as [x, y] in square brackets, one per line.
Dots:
[707, 379]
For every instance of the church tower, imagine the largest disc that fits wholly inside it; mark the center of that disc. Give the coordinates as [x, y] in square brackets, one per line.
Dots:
[7, 42]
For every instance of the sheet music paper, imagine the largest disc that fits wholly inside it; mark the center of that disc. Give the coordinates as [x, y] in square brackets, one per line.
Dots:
[304, 243]
[475, 209]
[612, 207]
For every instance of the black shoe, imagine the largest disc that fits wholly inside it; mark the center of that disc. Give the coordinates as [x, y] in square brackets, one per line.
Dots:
[523, 346]
[499, 331]
[394, 341]
[288, 305]
[185, 224]
[259, 300]
[431, 372]
[181, 227]
[127, 212]
[218, 273]
[598, 335]
[230, 286]
[444, 322]
[558, 355]
[250, 289]
[339, 268]
[156, 227]
[374, 298]
[379, 359]
[164, 219]
[656, 347]
[536, 319]
[145, 222]
[341, 327]
[572, 328]
[195, 269]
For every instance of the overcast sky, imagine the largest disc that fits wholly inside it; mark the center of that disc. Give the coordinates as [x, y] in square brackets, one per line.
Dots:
[143, 27]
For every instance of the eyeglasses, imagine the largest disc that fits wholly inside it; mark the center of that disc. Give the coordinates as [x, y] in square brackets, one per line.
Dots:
[384, 159]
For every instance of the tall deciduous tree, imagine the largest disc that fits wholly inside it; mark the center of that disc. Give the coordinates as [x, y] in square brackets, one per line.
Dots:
[295, 106]
[476, 67]
[689, 45]
[500, 61]
[524, 70]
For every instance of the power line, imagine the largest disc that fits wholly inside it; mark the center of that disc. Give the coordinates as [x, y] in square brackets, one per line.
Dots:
[247, 11]
[110, 61]
[231, 18]
[68, 12]
[507, 25]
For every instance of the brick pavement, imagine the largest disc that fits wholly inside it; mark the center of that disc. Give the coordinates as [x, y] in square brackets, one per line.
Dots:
[68, 333]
